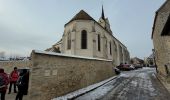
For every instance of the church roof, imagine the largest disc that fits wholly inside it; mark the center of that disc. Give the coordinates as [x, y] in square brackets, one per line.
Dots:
[82, 15]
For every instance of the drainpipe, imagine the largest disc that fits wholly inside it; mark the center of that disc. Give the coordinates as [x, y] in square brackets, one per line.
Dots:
[153, 50]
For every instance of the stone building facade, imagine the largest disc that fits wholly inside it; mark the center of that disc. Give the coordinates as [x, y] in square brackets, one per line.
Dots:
[161, 39]
[8, 66]
[83, 36]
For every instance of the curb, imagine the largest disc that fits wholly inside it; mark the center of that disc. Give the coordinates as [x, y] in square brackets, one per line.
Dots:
[83, 91]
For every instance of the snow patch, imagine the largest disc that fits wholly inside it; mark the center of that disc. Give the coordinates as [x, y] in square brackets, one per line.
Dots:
[66, 55]
[98, 93]
[143, 75]
[84, 90]
[148, 86]
[134, 83]
[123, 75]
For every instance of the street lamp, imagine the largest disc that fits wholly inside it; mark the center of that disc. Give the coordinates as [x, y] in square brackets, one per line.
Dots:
[153, 50]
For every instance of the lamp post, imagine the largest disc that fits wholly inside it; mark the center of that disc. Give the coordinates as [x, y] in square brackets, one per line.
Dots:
[153, 50]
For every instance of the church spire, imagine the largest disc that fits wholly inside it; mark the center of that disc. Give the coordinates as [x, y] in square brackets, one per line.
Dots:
[102, 14]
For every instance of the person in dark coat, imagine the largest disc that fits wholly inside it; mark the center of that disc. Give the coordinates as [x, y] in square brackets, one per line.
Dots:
[22, 84]
[4, 81]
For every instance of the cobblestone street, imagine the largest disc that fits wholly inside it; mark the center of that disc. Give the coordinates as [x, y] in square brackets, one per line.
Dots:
[139, 84]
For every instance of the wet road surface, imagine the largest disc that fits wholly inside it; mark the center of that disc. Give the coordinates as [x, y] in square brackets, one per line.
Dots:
[139, 84]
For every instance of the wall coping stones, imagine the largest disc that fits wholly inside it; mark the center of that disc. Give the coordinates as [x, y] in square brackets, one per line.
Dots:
[66, 55]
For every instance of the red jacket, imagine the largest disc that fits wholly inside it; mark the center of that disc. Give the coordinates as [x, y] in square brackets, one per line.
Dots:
[6, 79]
[14, 76]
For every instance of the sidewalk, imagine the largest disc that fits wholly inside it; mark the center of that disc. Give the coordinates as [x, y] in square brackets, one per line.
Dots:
[164, 81]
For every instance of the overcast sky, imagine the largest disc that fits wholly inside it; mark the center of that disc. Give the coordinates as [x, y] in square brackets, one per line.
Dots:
[37, 24]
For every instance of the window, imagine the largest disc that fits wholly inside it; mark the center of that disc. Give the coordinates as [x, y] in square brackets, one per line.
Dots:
[166, 30]
[98, 42]
[115, 46]
[84, 39]
[69, 41]
[110, 48]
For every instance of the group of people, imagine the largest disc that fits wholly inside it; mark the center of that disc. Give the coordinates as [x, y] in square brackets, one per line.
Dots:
[18, 80]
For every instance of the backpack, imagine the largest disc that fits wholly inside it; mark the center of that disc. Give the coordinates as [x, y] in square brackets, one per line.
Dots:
[19, 82]
[2, 81]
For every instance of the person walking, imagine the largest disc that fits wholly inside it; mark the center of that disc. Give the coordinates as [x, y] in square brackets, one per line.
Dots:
[22, 84]
[13, 79]
[4, 81]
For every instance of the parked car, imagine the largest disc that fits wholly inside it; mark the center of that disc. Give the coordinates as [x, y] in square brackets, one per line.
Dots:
[117, 71]
[125, 67]
[152, 66]
[138, 66]
[131, 66]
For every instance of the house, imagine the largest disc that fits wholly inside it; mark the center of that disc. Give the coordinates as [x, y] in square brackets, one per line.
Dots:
[136, 61]
[161, 39]
[149, 61]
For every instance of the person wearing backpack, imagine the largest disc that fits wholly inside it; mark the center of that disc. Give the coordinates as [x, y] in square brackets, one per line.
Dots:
[13, 79]
[4, 81]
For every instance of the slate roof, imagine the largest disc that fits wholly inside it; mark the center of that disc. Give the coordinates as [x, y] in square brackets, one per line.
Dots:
[82, 15]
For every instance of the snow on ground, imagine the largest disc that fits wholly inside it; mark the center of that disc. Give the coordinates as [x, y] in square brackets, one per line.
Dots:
[123, 75]
[67, 55]
[141, 81]
[98, 93]
[134, 83]
[85, 90]
[148, 86]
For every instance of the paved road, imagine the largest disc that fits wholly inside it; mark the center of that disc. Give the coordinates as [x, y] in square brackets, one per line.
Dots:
[139, 84]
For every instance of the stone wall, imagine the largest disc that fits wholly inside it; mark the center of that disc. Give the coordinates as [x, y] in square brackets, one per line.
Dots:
[161, 43]
[9, 65]
[56, 74]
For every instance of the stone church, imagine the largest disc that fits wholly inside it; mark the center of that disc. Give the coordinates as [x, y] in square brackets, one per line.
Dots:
[84, 36]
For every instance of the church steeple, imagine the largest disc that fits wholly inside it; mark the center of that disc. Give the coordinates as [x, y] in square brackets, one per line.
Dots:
[103, 17]
[104, 22]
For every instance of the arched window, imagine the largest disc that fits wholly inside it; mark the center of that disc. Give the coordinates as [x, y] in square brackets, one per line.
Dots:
[115, 46]
[84, 39]
[110, 48]
[69, 41]
[98, 42]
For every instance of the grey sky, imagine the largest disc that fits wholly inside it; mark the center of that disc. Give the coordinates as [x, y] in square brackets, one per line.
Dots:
[38, 24]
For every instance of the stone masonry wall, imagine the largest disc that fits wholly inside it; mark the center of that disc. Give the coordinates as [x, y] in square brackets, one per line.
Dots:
[162, 43]
[9, 65]
[55, 74]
